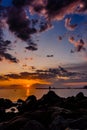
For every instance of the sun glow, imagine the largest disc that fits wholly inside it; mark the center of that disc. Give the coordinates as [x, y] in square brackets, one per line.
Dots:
[28, 86]
[63, 77]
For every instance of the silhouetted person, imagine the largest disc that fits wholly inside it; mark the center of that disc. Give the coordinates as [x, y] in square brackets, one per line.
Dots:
[49, 88]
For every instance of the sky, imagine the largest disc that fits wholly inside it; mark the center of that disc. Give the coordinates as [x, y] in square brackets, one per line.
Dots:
[42, 43]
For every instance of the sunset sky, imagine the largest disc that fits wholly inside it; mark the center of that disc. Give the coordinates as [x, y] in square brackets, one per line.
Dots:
[42, 43]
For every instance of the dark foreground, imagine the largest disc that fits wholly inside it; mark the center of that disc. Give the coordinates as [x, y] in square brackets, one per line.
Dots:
[51, 112]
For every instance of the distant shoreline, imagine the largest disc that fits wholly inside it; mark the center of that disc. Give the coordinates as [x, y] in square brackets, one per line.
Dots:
[60, 88]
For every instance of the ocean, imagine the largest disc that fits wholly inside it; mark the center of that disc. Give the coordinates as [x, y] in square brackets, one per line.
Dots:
[15, 94]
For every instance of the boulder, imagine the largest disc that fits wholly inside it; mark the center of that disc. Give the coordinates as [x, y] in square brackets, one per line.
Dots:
[59, 123]
[33, 125]
[16, 123]
[80, 123]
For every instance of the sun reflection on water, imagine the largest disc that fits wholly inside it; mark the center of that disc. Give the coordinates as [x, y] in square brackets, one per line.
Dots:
[27, 90]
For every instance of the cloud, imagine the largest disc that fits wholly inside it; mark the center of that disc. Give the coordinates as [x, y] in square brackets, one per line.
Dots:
[4, 47]
[19, 23]
[80, 67]
[56, 9]
[52, 74]
[68, 24]
[23, 26]
[31, 46]
[79, 45]
[49, 56]
[45, 26]
[60, 38]
[50, 9]
[2, 78]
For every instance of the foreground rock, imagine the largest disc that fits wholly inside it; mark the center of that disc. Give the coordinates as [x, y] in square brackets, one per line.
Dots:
[51, 112]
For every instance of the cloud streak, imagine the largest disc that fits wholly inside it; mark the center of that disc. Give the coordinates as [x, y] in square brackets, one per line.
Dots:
[68, 24]
[59, 73]
[4, 47]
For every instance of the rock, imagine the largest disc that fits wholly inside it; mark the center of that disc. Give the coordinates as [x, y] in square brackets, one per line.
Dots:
[80, 96]
[33, 125]
[59, 123]
[70, 103]
[20, 101]
[80, 123]
[16, 123]
[82, 104]
[57, 111]
[2, 126]
[50, 98]
[43, 117]
[5, 103]
[28, 105]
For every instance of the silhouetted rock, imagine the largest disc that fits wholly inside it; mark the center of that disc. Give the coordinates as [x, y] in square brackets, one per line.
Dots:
[2, 114]
[85, 87]
[28, 104]
[51, 112]
[80, 124]
[59, 123]
[20, 101]
[5, 103]
[50, 98]
[44, 117]
[80, 96]
[33, 125]
[69, 103]
[82, 103]
[16, 123]
[57, 111]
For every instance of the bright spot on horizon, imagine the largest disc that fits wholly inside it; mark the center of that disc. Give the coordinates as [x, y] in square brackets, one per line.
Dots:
[28, 86]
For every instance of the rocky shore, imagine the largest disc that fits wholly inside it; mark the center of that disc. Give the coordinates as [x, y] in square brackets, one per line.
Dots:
[50, 112]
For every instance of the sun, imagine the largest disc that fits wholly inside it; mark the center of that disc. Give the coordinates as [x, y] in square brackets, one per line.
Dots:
[28, 86]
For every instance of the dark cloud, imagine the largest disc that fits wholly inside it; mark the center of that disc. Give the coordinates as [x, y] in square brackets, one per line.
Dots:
[2, 78]
[50, 56]
[63, 70]
[79, 45]
[19, 3]
[80, 67]
[68, 24]
[19, 23]
[45, 26]
[32, 46]
[59, 73]
[23, 26]
[60, 38]
[13, 76]
[56, 9]
[4, 47]
[82, 8]
[9, 57]
[33, 68]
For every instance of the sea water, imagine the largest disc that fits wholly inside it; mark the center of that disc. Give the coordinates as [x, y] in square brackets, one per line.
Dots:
[15, 94]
